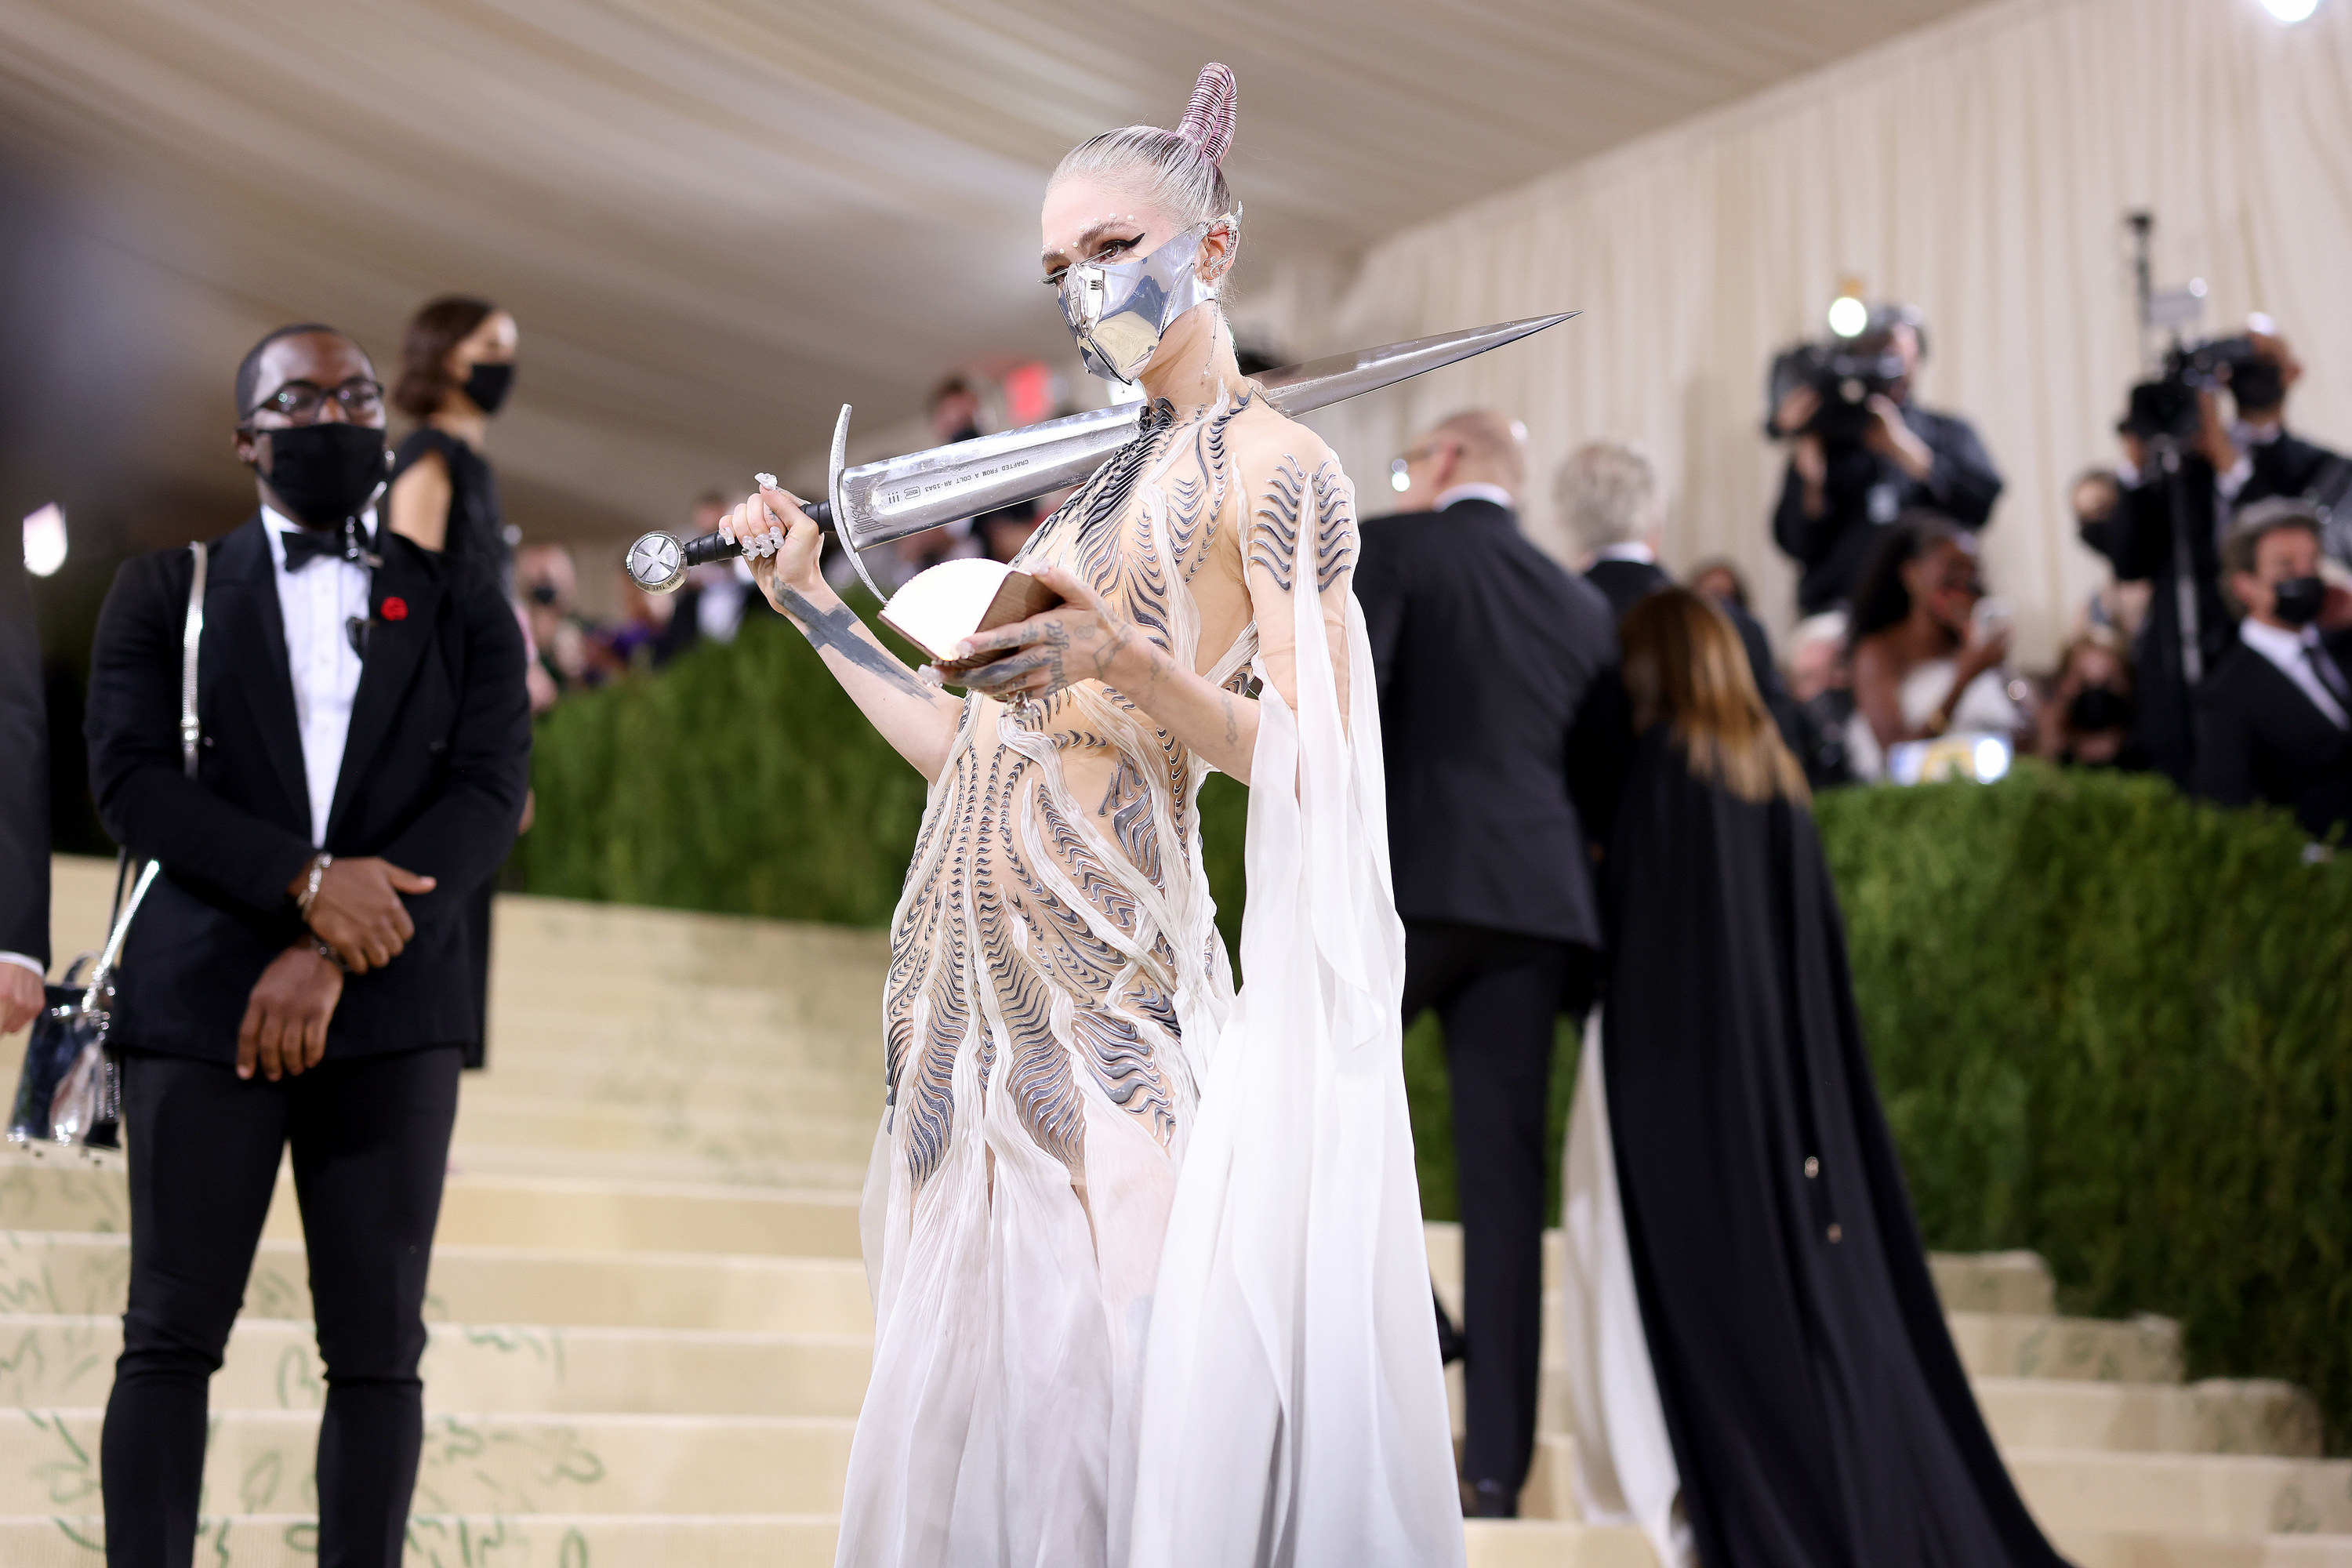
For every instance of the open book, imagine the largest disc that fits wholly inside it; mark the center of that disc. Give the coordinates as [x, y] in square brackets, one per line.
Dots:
[938, 608]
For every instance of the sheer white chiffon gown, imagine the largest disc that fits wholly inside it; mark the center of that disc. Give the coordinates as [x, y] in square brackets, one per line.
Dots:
[1145, 1254]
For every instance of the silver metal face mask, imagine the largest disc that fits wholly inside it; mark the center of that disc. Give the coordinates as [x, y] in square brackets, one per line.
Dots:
[1118, 310]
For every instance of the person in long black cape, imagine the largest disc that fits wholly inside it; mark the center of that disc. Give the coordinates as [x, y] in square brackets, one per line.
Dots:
[1818, 1412]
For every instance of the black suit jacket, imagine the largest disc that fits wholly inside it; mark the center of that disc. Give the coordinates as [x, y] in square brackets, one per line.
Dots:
[24, 770]
[1627, 583]
[1502, 718]
[1832, 548]
[2258, 738]
[432, 777]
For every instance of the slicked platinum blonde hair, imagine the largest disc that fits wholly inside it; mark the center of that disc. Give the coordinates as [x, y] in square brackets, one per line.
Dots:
[1178, 172]
[1608, 494]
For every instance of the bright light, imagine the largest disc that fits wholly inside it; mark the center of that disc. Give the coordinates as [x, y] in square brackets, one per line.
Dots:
[45, 540]
[2289, 11]
[1848, 315]
[1991, 759]
[1398, 481]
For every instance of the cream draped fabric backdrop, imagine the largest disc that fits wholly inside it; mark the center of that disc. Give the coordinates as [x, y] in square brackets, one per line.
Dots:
[1979, 168]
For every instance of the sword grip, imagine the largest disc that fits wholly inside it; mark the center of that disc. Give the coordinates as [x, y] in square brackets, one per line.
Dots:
[715, 547]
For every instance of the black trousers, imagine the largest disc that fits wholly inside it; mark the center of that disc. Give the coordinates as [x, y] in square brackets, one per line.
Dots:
[1499, 996]
[371, 1142]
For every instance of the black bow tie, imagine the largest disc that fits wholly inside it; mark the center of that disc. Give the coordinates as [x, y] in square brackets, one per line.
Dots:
[303, 546]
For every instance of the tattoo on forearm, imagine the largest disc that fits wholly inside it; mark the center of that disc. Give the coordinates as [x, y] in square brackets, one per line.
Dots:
[838, 629]
[1233, 725]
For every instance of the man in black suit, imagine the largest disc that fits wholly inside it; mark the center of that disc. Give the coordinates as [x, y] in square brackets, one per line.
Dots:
[1504, 728]
[1614, 511]
[2131, 520]
[2274, 718]
[23, 804]
[298, 974]
[1840, 491]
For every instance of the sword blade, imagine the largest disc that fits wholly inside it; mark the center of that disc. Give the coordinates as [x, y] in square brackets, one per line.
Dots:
[878, 502]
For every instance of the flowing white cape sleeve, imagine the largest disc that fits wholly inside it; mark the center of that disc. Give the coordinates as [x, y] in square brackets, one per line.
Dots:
[1294, 1406]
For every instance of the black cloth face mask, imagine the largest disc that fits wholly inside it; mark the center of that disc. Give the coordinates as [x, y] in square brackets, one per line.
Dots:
[2298, 600]
[326, 472]
[2097, 709]
[487, 384]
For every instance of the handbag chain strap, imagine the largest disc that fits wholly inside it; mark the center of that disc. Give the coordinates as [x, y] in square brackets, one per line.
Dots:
[192, 734]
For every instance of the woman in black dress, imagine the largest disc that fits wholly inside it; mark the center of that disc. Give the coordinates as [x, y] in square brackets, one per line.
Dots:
[1818, 1412]
[456, 366]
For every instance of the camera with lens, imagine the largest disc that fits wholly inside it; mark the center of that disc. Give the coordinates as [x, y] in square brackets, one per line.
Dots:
[2166, 407]
[1845, 374]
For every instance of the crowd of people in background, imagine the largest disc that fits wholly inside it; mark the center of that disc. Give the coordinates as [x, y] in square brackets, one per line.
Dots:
[1899, 637]
[2214, 654]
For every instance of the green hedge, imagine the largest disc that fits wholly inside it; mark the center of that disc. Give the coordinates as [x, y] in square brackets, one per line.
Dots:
[2109, 1024]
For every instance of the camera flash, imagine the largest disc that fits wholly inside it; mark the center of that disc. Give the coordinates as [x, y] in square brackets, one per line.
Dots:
[2289, 11]
[1848, 315]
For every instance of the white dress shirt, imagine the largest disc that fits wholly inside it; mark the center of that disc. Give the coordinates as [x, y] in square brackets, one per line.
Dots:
[2292, 651]
[1475, 491]
[317, 604]
[1627, 550]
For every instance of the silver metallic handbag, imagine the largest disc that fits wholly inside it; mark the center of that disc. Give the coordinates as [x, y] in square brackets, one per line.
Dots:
[70, 1094]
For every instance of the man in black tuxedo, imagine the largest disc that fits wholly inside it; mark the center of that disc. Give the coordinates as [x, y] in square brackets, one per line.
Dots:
[298, 974]
[1614, 511]
[23, 804]
[2131, 520]
[2275, 718]
[1840, 491]
[1505, 730]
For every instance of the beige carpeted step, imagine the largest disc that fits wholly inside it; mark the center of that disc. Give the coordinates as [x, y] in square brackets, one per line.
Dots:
[687, 1085]
[716, 1166]
[460, 1540]
[2216, 1416]
[2093, 1549]
[2144, 1349]
[476, 1540]
[1550, 1543]
[2166, 1494]
[440, 1540]
[487, 1116]
[261, 1462]
[506, 1211]
[88, 1274]
[273, 1364]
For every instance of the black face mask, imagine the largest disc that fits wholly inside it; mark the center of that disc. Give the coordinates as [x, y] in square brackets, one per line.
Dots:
[488, 386]
[2298, 600]
[2097, 709]
[326, 472]
[543, 593]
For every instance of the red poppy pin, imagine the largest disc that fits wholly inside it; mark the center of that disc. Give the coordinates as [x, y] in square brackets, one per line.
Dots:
[395, 608]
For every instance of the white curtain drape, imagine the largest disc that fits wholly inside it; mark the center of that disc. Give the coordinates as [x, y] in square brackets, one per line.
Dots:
[1979, 168]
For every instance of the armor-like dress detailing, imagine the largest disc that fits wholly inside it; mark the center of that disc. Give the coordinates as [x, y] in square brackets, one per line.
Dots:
[1055, 1001]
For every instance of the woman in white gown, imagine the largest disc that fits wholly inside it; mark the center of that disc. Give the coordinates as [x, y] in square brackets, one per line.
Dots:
[1145, 1254]
[1923, 663]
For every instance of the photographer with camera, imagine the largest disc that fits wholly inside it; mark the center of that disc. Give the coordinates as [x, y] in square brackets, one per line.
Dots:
[2161, 521]
[1861, 454]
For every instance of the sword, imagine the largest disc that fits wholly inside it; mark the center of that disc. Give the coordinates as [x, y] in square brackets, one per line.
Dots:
[875, 504]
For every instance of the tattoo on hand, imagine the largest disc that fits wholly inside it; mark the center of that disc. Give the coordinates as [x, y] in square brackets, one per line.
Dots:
[838, 629]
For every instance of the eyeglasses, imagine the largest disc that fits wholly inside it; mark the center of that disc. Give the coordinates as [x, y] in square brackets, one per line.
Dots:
[300, 401]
